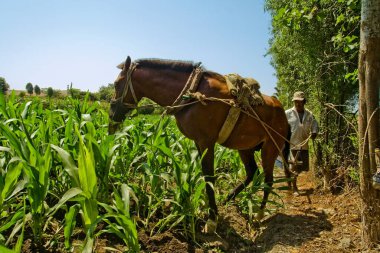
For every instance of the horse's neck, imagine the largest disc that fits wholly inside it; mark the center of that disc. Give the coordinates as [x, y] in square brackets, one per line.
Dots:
[162, 86]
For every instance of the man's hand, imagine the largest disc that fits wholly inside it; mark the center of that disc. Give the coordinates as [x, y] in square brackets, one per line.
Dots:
[313, 136]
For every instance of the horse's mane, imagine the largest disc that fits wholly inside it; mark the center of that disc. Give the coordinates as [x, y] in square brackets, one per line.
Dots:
[183, 66]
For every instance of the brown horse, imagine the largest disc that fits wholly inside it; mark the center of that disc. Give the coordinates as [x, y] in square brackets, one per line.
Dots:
[163, 81]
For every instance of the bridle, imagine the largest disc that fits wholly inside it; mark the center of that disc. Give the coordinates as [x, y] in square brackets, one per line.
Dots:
[118, 102]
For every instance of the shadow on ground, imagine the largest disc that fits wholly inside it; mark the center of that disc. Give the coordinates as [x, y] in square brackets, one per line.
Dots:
[291, 230]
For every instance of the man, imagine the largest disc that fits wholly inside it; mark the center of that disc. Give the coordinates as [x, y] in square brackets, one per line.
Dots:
[303, 126]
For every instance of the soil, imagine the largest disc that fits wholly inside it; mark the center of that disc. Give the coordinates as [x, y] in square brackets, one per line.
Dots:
[315, 221]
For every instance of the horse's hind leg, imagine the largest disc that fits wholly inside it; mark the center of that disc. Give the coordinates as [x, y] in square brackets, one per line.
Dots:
[248, 159]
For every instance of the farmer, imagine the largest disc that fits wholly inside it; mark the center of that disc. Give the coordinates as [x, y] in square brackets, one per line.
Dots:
[303, 127]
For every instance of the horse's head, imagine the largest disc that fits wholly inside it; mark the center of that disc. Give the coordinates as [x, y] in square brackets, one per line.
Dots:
[124, 99]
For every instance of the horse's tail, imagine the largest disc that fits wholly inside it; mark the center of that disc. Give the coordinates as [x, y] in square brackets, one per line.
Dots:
[286, 152]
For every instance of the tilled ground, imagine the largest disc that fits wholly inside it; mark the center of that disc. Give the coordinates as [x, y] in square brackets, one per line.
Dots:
[313, 222]
[316, 221]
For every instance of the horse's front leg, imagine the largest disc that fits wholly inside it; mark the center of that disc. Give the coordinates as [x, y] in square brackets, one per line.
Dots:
[208, 172]
[269, 154]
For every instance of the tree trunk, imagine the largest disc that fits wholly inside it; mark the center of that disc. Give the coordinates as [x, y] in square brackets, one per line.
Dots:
[369, 82]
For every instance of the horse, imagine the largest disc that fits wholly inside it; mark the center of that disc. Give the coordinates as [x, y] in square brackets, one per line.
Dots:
[166, 81]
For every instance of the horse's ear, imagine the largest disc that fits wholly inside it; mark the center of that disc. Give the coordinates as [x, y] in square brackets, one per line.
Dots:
[127, 63]
[120, 66]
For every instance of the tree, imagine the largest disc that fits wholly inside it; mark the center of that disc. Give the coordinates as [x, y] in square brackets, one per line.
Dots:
[37, 90]
[4, 86]
[29, 88]
[50, 92]
[369, 118]
[312, 55]
[106, 92]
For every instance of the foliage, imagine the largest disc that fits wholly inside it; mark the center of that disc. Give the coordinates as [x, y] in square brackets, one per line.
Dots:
[22, 94]
[314, 48]
[146, 106]
[37, 89]
[106, 92]
[4, 86]
[29, 88]
[50, 92]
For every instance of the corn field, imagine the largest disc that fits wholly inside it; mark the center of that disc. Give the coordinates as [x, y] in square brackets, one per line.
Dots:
[64, 179]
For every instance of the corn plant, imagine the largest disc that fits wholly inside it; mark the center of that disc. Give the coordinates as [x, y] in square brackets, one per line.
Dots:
[185, 186]
[119, 220]
[84, 181]
[35, 162]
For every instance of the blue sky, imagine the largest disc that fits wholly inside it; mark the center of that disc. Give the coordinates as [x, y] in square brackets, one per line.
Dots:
[52, 43]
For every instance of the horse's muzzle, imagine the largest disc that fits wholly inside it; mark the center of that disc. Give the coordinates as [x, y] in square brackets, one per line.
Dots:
[119, 110]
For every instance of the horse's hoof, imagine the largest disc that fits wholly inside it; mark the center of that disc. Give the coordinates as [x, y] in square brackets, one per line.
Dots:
[260, 215]
[210, 227]
[296, 194]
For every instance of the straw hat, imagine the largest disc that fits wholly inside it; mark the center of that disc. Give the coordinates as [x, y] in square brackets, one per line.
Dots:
[299, 96]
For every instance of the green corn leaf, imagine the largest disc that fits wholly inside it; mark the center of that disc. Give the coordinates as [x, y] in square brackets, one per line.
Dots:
[68, 164]
[19, 187]
[3, 105]
[73, 192]
[5, 149]
[14, 141]
[113, 229]
[11, 179]
[90, 212]
[69, 130]
[125, 198]
[24, 113]
[20, 239]
[89, 127]
[110, 154]
[70, 222]
[198, 192]
[86, 169]
[44, 166]
[15, 218]
[3, 249]
[126, 230]
[109, 209]
[89, 243]
[19, 224]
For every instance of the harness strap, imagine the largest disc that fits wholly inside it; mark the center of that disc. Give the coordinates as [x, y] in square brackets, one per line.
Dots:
[190, 87]
[129, 83]
[229, 124]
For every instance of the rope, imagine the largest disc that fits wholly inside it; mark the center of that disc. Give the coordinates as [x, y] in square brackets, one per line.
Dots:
[201, 98]
[227, 102]
[190, 87]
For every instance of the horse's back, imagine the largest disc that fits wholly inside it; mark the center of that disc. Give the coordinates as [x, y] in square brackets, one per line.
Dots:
[265, 123]
[203, 123]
